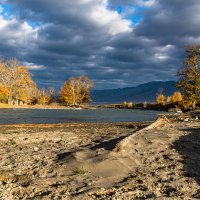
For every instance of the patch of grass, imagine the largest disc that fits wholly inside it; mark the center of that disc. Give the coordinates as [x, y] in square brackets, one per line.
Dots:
[79, 171]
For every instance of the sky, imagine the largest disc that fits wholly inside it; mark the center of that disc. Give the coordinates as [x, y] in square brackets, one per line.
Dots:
[117, 43]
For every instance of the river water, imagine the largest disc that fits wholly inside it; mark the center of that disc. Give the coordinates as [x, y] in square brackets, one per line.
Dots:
[51, 116]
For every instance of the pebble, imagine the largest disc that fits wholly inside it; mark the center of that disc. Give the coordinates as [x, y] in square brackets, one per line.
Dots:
[36, 148]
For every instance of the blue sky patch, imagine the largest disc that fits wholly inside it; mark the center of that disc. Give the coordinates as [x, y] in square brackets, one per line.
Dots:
[120, 9]
[6, 11]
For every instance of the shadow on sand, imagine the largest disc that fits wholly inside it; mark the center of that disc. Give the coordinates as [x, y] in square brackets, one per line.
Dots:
[105, 144]
[188, 147]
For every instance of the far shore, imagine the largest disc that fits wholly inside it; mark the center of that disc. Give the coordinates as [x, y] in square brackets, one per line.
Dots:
[6, 106]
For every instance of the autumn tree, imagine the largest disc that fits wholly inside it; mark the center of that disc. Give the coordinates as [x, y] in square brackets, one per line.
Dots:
[85, 86]
[176, 97]
[4, 94]
[66, 95]
[76, 91]
[125, 104]
[189, 75]
[4, 81]
[160, 99]
[17, 80]
[45, 96]
[26, 89]
[169, 100]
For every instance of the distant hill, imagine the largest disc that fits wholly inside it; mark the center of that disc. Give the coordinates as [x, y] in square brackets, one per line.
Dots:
[140, 93]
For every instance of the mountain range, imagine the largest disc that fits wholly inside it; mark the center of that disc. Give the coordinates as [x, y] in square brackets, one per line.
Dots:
[144, 92]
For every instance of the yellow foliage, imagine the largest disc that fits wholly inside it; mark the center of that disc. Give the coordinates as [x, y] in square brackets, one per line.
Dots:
[4, 94]
[45, 96]
[66, 94]
[160, 99]
[125, 104]
[176, 97]
[169, 100]
[76, 91]
[18, 82]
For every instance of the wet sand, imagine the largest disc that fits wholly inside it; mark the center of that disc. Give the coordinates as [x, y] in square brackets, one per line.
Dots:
[82, 161]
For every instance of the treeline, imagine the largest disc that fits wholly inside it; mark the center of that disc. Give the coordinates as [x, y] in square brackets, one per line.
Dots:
[161, 102]
[174, 99]
[160, 99]
[17, 88]
[188, 84]
[175, 102]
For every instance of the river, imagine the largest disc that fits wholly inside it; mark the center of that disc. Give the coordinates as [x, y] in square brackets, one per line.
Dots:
[53, 116]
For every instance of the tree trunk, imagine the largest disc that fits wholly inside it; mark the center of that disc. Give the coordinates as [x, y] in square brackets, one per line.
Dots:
[10, 98]
[193, 104]
[17, 100]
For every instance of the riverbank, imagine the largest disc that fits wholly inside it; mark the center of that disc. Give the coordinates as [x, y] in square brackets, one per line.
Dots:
[54, 107]
[80, 161]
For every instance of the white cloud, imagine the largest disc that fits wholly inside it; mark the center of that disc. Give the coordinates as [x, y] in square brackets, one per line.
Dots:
[148, 3]
[12, 29]
[109, 48]
[16, 38]
[33, 66]
[109, 19]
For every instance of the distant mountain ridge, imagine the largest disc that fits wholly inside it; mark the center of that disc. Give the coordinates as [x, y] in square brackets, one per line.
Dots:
[144, 92]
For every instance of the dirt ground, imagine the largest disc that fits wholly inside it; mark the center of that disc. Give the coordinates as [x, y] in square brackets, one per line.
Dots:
[80, 161]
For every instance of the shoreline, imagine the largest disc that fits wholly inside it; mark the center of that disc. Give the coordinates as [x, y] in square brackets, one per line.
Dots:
[40, 107]
[44, 107]
[78, 161]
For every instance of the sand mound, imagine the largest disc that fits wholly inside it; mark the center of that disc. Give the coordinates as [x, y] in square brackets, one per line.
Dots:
[161, 122]
[125, 146]
[116, 164]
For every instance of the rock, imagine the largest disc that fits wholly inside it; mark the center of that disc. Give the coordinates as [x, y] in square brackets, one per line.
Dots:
[36, 148]
[15, 191]
[2, 183]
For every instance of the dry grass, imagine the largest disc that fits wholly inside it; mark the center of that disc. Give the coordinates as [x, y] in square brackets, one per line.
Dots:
[4, 105]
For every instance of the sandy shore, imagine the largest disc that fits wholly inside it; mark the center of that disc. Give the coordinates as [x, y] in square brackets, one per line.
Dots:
[81, 161]
[40, 107]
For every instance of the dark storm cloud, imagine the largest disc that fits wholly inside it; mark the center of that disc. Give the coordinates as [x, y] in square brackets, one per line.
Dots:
[59, 39]
[171, 21]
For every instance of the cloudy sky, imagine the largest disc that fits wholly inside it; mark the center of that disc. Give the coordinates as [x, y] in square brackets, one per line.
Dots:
[117, 43]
